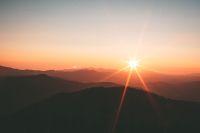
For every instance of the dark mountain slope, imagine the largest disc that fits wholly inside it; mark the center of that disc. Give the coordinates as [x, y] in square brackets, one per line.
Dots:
[16, 92]
[19, 91]
[7, 71]
[93, 110]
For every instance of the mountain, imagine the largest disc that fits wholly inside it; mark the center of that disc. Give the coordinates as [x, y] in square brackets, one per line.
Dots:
[95, 75]
[7, 71]
[93, 110]
[80, 75]
[172, 86]
[17, 92]
[189, 91]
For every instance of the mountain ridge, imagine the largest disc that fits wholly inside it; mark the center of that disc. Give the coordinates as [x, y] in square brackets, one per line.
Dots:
[93, 110]
[17, 92]
[172, 87]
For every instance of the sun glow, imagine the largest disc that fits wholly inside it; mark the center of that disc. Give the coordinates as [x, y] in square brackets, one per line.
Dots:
[133, 64]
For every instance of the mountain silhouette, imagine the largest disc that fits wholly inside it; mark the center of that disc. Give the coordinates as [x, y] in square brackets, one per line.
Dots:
[19, 91]
[82, 75]
[180, 87]
[8, 71]
[189, 91]
[93, 110]
[95, 75]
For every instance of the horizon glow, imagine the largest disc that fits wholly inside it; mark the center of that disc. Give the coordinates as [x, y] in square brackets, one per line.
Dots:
[57, 34]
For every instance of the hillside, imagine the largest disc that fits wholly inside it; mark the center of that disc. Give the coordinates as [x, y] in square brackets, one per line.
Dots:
[19, 91]
[93, 111]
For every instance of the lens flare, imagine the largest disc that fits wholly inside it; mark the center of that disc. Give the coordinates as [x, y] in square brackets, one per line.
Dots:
[133, 64]
[113, 74]
[121, 101]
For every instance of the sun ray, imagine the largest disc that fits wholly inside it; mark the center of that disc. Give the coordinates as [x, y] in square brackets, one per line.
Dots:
[121, 101]
[132, 65]
[113, 74]
[142, 81]
[151, 99]
[142, 32]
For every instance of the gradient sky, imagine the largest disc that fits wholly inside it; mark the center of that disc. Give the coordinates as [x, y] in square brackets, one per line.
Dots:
[58, 34]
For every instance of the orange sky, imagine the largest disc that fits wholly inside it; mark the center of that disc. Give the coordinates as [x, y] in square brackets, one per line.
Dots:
[47, 35]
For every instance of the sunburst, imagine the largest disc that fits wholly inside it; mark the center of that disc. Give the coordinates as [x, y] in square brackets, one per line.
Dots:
[133, 65]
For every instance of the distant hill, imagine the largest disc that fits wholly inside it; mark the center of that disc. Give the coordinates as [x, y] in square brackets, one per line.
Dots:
[181, 87]
[189, 91]
[19, 91]
[7, 71]
[98, 75]
[93, 111]
[80, 75]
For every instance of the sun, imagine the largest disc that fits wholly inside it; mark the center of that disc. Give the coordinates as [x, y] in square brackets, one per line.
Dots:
[133, 64]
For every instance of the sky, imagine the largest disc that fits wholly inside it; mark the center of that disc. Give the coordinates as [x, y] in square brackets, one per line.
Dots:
[60, 34]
